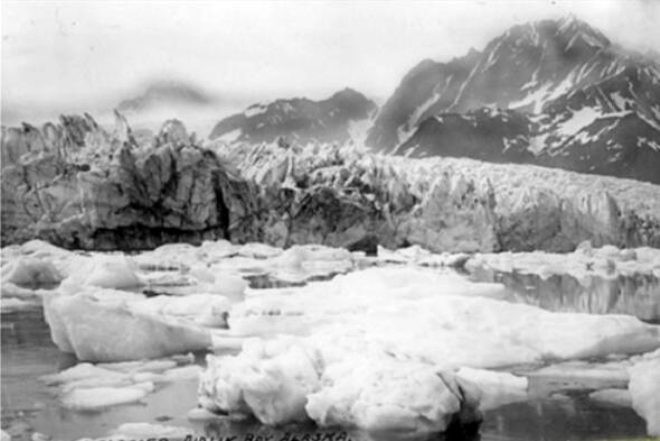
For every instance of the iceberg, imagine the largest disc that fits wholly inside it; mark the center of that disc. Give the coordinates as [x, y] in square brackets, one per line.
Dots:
[100, 331]
[385, 395]
[86, 386]
[95, 398]
[116, 272]
[270, 381]
[644, 388]
[491, 389]
[356, 351]
[31, 271]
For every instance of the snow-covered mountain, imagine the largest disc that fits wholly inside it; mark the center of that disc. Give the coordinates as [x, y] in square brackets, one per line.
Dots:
[300, 120]
[555, 93]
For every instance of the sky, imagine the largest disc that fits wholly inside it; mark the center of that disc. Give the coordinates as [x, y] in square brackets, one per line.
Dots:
[70, 55]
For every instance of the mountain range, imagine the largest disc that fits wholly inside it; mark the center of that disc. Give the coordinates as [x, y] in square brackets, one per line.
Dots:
[555, 93]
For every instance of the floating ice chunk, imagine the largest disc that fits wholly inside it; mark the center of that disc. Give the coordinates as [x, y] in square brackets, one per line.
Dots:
[218, 249]
[382, 395]
[259, 251]
[606, 262]
[202, 273]
[298, 255]
[302, 262]
[95, 331]
[230, 285]
[574, 375]
[191, 306]
[241, 265]
[420, 256]
[578, 375]
[117, 272]
[613, 397]
[270, 381]
[492, 389]
[31, 271]
[100, 397]
[176, 256]
[644, 388]
[81, 371]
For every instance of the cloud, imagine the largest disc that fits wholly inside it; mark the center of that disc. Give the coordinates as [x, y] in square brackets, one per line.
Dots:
[62, 54]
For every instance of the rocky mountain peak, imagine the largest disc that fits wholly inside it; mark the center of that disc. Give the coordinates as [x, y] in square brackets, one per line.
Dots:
[574, 100]
[297, 120]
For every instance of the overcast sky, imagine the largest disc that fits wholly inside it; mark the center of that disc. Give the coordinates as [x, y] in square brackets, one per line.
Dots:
[61, 53]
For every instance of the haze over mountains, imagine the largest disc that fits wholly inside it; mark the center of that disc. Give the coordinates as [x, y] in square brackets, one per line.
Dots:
[554, 92]
[164, 92]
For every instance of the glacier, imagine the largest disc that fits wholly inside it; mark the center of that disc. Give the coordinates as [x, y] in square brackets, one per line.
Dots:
[81, 186]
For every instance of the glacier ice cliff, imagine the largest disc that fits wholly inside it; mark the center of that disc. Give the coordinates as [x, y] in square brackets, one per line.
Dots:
[79, 185]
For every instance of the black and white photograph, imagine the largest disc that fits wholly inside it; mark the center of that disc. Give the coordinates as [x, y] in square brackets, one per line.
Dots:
[316, 220]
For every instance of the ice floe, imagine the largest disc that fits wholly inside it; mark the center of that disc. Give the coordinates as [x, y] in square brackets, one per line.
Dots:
[607, 261]
[361, 336]
[644, 388]
[94, 398]
[102, 331]
[392, 342]
[86, 386]
[491, 389]
[578, 375]
[31, 271]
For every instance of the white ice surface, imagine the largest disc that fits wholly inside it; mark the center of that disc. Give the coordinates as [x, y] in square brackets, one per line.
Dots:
[365, 332]
[608, 262]
[94, 398]
[30, 271]
[491, 389]
[644, 388]
[86, 386]
[106, 331]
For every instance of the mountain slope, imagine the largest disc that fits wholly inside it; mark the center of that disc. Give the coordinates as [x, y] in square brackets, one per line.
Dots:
[564, 94]
[297, 120]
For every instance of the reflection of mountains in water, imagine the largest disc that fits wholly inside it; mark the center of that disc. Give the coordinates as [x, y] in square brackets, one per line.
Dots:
[637, 295]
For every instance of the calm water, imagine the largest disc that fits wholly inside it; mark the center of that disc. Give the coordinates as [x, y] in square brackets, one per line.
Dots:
[28, 353]
[637, 295]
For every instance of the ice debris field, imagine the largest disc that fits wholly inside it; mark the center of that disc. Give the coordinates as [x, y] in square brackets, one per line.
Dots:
[400, 342]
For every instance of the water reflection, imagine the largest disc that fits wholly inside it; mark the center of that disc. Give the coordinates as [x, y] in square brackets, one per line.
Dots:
[637, 295]
[28, 353]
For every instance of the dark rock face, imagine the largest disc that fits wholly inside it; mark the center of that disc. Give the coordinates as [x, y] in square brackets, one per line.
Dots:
[297, 120]
[79, 186]
[551, 93]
